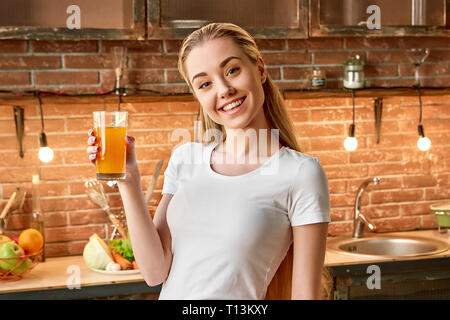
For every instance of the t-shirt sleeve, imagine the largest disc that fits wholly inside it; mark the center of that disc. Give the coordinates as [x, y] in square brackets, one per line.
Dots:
[309, 195]
[170, 184]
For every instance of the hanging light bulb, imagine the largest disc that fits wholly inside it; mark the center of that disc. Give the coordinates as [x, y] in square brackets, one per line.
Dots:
[45, 152]
[423, 143]
[350, 143]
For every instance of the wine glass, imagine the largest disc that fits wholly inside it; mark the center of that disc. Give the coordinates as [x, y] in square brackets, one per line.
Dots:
[417, 57]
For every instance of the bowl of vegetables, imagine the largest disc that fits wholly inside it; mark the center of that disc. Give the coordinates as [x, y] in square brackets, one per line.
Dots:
[116, 257]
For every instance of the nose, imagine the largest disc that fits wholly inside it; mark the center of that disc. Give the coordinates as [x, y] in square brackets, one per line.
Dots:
[225, 89]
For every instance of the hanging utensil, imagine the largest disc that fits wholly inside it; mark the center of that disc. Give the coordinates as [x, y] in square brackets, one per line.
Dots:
[96, 193]
[152, 183]
[14, 203]
[378, 111]
[19, 118]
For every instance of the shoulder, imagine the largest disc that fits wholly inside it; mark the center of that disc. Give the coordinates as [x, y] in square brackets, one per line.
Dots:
[300, 161]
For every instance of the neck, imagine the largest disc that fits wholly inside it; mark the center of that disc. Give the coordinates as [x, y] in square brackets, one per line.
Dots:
[250, 143]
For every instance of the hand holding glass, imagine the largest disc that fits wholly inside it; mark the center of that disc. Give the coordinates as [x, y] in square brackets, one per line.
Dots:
[110, 129]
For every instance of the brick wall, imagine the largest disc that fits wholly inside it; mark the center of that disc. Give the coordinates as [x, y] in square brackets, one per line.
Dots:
[411, 179]
[86, 66]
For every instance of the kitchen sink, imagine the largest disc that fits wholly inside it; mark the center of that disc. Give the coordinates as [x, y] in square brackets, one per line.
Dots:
[387, 246]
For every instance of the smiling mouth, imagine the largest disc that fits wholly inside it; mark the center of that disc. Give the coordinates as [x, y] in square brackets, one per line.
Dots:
[233, 105]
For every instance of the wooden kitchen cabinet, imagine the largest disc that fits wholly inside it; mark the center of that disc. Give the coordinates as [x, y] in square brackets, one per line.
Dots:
[72, 19]
[411, 279]
[287, 19]
[396, 18]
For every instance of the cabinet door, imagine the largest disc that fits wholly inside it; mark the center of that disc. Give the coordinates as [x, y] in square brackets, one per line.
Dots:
[262, 18]
[72, 19]
[379, 17]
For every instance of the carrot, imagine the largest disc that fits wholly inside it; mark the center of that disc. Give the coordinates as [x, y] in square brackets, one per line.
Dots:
[124, 263]
[135, 266]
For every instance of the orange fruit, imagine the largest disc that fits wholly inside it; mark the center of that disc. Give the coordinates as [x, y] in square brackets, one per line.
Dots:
[31, 240]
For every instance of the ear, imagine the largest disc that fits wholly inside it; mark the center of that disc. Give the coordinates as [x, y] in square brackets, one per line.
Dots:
[262, 70]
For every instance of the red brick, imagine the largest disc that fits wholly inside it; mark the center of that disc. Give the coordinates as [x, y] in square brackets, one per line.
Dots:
[397, 224]
[338, 214]
[290, 73]
[337, 186]
[320, 130]
[334, 57]
[381, 211]
[385, 183]
[416, 208]
[338, 228]
[422, 42]
[73, 233]
[395, 196]
[291, 85]
[30, 62]
[341, 114]
[437, 193]
[153, 153]
[370, 43]
[62, 46]
[66, 77]
[389, 83]
[56, 249]
[330, 158]
[153, 61]
[380, 71]
[88, 217]
[436, 82]
[393, 140]
[89, 62]
[274, 73]
[364, 156]
[286, 58]
[13, 46]
[346, 171]
[429, 221]
[184, 107]
[172, 46]
[341, 200]
[299, 115]
[315, 44]
[319, 103]
[406, 167]
[64, 173]
[17, 174]
[425, 70]
[161, 122]
[173, 76]
[387, 56]
[271, 44]
[133, 46]
[14, 78]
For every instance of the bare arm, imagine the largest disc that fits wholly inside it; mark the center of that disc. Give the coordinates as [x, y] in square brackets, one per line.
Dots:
[150, 239]
[309, 255]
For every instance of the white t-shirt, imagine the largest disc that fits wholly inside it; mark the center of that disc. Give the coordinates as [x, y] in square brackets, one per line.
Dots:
[231, 233]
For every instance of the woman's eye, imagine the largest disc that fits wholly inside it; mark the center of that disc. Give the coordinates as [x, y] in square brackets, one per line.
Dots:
[233, 70]
[204, 85]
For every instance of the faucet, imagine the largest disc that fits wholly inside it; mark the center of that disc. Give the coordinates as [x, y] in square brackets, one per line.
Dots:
[360, 220]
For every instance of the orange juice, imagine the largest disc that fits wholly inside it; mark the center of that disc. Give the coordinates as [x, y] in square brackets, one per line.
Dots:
[111, 158]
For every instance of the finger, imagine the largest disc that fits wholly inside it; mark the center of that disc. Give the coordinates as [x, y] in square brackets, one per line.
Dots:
[91, 132]
[93, 150]
[93, 157]
[92, 140]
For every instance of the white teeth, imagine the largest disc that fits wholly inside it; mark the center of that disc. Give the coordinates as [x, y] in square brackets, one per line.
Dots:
[233, 105]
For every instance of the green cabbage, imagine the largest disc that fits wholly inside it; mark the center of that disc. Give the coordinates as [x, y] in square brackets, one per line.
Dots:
[96, 253]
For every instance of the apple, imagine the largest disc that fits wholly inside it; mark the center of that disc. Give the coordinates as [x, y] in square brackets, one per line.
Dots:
[10, 250]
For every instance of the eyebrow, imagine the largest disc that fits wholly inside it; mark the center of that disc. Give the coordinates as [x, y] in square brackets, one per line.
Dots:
[222, 64]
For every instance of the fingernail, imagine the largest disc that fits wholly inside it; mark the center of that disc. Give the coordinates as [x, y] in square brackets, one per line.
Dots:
[90, 132]
[92, 139]
[96, 149]
[92, 157]
[130, 139]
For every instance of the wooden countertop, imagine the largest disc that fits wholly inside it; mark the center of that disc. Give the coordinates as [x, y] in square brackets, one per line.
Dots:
[57, 273]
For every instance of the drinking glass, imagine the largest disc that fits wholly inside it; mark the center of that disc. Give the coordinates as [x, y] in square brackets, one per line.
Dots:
[110, 129]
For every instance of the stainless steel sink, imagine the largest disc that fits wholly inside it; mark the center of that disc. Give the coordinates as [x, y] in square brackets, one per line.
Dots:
[387, 246]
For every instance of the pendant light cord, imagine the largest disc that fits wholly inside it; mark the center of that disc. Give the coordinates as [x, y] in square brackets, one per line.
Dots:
[38, 96]
[353, 102]
[420, 103]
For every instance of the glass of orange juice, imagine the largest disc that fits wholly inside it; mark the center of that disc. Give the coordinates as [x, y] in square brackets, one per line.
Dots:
[110, 129]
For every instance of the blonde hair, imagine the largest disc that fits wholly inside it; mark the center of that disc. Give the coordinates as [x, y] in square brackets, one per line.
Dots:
[274, 107]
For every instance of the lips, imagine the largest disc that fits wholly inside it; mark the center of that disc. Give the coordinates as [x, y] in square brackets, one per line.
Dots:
[232, 106]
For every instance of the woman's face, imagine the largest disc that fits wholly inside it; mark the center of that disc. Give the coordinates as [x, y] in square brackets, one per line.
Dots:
[227, 84]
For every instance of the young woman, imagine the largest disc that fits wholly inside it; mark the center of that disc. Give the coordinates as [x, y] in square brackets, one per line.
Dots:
[232, 205]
